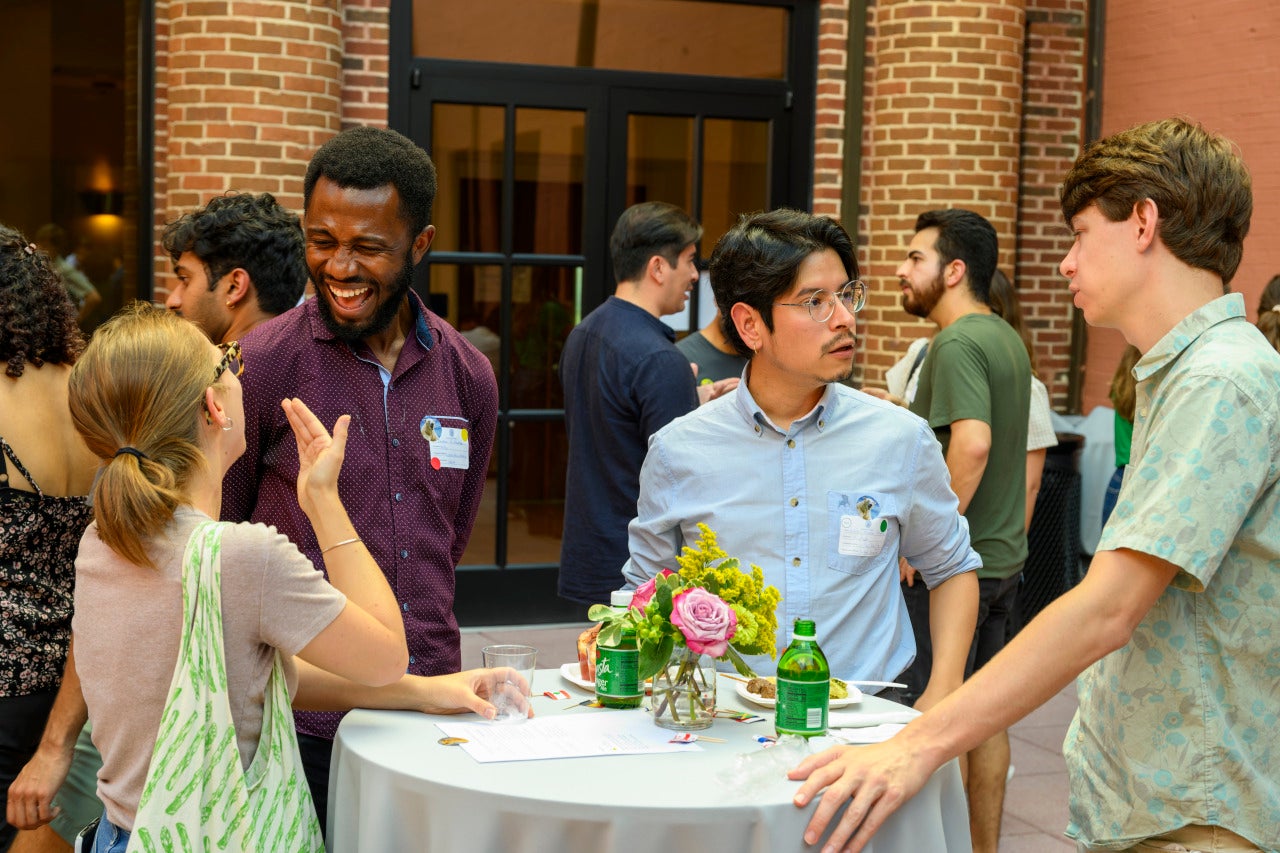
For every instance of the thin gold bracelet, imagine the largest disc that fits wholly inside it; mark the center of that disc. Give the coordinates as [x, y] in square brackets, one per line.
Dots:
[340, 544]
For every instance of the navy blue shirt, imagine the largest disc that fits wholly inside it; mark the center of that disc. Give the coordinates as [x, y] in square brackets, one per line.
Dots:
[623, 381]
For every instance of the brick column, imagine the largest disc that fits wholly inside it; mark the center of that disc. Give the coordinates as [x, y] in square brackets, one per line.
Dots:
[253, 89]
[945, 107]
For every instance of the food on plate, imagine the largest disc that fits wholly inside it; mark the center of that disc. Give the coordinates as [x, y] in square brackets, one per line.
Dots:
[587, 652]
[767, 688]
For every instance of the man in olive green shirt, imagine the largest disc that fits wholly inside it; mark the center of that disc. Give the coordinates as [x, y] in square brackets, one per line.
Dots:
[975, 391]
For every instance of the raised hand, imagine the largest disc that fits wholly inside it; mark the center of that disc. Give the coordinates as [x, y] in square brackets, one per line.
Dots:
[320, 454]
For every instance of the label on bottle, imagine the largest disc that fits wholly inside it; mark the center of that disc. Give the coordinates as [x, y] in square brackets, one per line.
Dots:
[618, 673]
[802, 707]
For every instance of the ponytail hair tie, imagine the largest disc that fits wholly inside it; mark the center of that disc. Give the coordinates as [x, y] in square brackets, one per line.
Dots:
[132, 451]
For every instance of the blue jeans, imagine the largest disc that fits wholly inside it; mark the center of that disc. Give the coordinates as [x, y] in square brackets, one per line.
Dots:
[111, 838]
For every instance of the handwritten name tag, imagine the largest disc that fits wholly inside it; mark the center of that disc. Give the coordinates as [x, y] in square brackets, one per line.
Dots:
[860, 537]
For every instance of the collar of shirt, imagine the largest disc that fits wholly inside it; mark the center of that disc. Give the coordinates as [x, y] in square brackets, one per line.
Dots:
[421, 327]
[423, 332]
[1181, 336]
[656, 322]
[755, 417]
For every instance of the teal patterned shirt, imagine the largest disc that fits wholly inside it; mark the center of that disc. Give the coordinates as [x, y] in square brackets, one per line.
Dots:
[1180, 726]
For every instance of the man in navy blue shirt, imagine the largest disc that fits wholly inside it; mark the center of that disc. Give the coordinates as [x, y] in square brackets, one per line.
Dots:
[624, 380]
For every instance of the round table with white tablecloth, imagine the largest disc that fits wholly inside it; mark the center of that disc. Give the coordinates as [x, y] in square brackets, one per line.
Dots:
[394, 787]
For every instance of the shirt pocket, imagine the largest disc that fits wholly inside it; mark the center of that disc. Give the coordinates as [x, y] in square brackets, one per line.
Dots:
[862, 532]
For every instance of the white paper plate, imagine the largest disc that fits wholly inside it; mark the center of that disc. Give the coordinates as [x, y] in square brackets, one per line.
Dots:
[572, 673]
[854, 697]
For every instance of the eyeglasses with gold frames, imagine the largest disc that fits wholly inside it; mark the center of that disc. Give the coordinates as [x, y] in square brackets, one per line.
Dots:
[822, 303]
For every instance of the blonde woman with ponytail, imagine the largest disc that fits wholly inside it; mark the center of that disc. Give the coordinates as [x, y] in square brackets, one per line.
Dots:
[161, 407]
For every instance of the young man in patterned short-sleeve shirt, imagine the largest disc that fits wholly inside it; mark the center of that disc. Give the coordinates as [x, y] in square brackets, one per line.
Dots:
[1176, 745]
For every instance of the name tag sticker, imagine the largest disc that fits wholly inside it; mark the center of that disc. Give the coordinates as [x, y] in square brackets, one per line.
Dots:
[449, 447]
[862, 537]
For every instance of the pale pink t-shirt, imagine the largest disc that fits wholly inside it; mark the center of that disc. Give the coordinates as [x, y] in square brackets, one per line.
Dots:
[126, 632]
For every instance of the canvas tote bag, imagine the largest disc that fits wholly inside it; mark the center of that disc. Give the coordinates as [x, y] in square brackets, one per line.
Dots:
[197, 796]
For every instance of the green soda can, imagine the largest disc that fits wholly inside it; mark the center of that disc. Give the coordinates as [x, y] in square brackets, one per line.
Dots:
[618, 666]
[804, 685]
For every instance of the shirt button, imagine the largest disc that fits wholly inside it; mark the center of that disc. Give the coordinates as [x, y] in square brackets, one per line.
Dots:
[395, 442]
[795, 561]
[757, 429]
[791, 442]
[399, 497]
[412, 659]
[406, 607]
[822, 423]
[795, 501]
[404, 554]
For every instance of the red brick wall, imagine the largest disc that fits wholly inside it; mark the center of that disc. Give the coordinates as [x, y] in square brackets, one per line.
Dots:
[248, 89]
[1210, 63]
[829, 122]
[944, 111]
[1052, 135]
[948, 119]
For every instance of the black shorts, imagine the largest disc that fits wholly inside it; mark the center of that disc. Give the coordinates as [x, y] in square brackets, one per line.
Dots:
[997, 598]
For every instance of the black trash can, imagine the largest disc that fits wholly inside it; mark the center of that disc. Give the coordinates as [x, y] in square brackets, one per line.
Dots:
[1053, 542]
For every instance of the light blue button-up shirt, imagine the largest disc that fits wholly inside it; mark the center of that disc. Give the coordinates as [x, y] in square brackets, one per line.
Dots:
[824, 507]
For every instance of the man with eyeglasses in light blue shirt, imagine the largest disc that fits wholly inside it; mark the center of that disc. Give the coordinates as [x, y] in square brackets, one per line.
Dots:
[820, 485]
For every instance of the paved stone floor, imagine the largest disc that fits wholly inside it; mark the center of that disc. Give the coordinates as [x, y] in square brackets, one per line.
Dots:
[1035, 809]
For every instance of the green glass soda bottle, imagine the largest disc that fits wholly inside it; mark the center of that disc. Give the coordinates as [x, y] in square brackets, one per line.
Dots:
[804, 685]
[618, 666]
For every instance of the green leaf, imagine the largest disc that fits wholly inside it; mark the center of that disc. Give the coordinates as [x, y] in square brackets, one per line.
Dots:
[654, 656]
[738, 663]
[663, 596]
[599, 612]
[610, 634]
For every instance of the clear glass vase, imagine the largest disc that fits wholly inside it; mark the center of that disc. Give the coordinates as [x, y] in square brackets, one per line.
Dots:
[684, 693]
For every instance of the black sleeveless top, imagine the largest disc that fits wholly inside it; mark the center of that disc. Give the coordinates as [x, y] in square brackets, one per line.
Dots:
[39, 537]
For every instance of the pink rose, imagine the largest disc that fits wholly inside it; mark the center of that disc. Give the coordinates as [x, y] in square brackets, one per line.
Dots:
[644, 592]
[707, 623]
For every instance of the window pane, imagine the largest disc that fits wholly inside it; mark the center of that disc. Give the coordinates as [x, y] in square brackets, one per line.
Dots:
[627, 35]
[466, 144]
[660, 160]
[480, 547]
[549, 181]
[469, 296]
[66, 162]
[535, 512]
[735, 173]
[542, 305]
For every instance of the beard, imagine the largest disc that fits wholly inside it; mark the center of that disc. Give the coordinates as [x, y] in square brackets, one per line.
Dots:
[922, 304]
[383, 316]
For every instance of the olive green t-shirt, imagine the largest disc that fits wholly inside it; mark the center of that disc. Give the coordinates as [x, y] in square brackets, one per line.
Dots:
[977, 368]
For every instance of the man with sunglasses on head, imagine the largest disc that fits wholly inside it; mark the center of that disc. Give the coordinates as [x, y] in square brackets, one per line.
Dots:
[975, 391]
[820, 485]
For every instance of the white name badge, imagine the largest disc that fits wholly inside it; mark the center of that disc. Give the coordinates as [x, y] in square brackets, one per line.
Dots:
[860, 537]
[448, 447]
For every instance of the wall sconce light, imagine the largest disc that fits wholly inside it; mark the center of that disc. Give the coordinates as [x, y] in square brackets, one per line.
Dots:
[98, 202]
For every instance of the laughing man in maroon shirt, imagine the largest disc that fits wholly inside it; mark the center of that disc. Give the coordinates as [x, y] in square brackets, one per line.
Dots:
[423, 401]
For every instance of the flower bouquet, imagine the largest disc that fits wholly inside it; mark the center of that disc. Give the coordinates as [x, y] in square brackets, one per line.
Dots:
[708, 607]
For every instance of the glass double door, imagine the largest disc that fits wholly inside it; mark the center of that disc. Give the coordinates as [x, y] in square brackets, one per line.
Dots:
[535, 166]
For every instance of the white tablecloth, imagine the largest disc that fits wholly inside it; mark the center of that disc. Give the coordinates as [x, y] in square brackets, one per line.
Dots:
[393, 787]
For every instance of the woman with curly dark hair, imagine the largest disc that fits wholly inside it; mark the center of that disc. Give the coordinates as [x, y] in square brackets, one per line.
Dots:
[1269, 312]
[45, 473]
